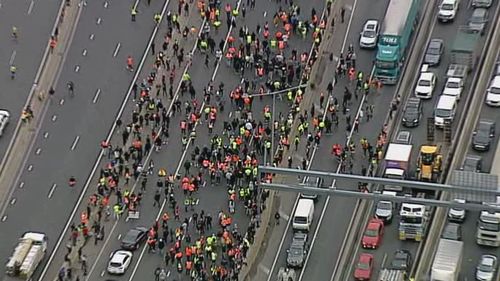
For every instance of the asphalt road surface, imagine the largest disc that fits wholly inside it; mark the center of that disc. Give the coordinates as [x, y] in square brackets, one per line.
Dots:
[391, 243]
[34, 21]
[473, 251]
[212, 198]
[75, 128]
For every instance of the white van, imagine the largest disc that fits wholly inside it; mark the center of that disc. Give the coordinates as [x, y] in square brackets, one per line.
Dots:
[302, 219]
[445, 109]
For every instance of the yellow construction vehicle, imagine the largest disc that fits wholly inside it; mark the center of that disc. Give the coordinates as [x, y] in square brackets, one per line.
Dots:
[429, 163]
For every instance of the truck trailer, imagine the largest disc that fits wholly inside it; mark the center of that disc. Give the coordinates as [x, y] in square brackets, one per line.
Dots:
[396, 161]
[465, 49]
[27, 255]
[401, 19]
[447, 261]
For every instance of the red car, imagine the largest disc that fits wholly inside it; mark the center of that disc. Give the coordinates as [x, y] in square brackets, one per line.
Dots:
[373, 234]
[364, 267]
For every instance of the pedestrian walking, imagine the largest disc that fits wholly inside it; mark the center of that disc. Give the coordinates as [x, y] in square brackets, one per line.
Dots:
[342, 14]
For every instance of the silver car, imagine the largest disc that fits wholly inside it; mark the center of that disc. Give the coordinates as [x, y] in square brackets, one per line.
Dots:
[487, 267]
[478, 20]
[4, 120]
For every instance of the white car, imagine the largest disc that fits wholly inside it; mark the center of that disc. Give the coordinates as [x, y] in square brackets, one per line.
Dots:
[448, 10]
[487, 267]
[453, 87]
[369, 35]
[493, 92]
[4, 120]
[119, 262]
[425, 85]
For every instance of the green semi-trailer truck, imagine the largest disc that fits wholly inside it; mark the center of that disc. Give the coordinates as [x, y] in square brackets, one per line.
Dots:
[401, 19]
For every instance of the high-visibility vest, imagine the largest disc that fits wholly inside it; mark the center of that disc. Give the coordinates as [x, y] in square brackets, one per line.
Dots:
[235, 12]
[273, 43]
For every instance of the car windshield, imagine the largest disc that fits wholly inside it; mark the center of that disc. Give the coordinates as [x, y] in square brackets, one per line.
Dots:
[384, 205]
[488, 226]
[433, 51]
[296, 251]
[452, 85]
[385, 64]
[447, 7]
[424, 83]
[371, 233]
[443, 113]
[494, 90]
[363, 266]
[369, 34]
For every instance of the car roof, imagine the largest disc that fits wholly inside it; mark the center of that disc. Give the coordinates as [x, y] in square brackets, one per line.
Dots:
[491, 259]
[4, 112]
[370, 22]
[120, 255]
[426, 75]
[364, 257]
[479, 12]
[449, 1]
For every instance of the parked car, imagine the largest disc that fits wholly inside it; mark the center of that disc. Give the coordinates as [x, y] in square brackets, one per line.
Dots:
[401, 260]
[434, 52]
[4, 120]
[119, 262]
[364, 267]
[478, 20]
[412, 113]
[457, 214]
[373, 234]
[487, 268]
[493, 92]
[452, 231]
[369, 35]
[472, 163]
[403, 137]
[134, 237]
[483, 135]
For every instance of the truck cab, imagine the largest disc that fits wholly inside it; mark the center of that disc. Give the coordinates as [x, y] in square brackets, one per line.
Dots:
[413, 221]
[488, 229]
[27, 254]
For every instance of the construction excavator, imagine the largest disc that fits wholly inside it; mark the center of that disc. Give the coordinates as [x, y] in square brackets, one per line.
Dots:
[429, 163]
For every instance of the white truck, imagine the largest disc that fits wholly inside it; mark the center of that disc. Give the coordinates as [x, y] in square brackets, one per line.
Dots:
[396, 161]
[488, 229]
[27, 255]
[455, 80]
[413, 221]
[447, 261]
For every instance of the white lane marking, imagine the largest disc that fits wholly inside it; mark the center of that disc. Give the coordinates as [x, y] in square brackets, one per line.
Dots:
[117, 49]
[265, 269]
[265, 13]
[46, 135]
[54, 118]
[38, 150]
[52, 189]
[77, 68]
[106, 5]
[99, 20]
[91, 36]
[96, 96]
[230, 114]
[102, 273]
[4, 218]
[30, 8]
[61, 102]
[75, 143]
[12, 57]
[119, 236]
[13, 201]
[21, 185]
[84, 53]
[30, 168]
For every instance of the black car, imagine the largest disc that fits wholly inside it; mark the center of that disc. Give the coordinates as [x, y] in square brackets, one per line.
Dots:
[452, 231]
[412, 112]
[134, 238]
[402, 260]
[434, 51]
[482, 136]
[472, 163]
